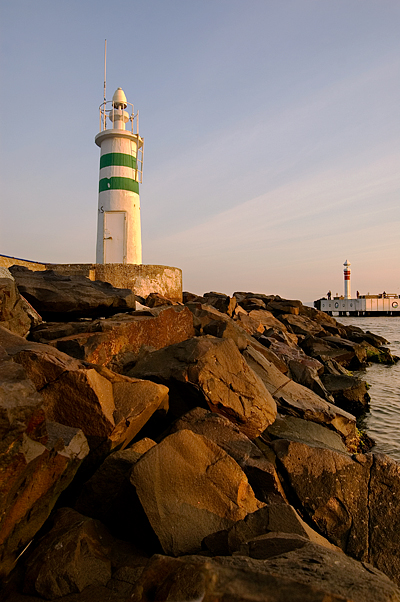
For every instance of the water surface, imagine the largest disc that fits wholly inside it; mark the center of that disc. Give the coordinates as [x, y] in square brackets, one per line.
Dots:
[383, 421]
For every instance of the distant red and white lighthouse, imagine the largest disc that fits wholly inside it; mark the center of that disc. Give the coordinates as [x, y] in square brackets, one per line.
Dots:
[347, 293]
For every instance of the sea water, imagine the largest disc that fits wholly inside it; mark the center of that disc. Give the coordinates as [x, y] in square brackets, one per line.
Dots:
[382, 422]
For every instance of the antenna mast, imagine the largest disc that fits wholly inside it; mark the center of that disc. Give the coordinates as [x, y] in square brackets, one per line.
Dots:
[105, 63]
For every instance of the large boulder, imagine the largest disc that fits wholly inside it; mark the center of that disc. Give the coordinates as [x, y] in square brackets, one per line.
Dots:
[101, 496]
[189, 487]
[107, 342]
[310, 573]
[285, 306]
[268, 320]
[259, 469]
[332, 488]
[305, 372]
[208, 320]
[110, 408]
[305, 431]
[221, 302]
[157, 300]
[353, 500]
[38, 460]
[274, 518]
[327, 322]
[349, 392]
[78, 560]
[213, 372]
[72, 556]
[326, 348]
[297, 400]
[57, 296]
[300, 325]
[251, 325]
[360, 354]
[14, 313]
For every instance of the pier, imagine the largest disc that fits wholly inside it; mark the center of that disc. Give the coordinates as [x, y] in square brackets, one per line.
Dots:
[384, 304]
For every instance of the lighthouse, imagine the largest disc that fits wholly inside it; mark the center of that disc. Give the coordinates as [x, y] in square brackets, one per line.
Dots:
[121, 164]
[347, 294]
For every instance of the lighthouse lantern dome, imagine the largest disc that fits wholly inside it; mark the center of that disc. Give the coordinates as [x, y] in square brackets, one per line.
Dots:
[119, 99]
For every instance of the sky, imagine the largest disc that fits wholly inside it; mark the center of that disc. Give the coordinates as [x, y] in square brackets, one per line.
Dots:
[271, 129]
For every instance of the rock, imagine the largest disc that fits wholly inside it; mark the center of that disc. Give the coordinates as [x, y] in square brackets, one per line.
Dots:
[360, 354]
[272, 518]
[267, 319]
[327, 322]
[300, 325]
[214, 374]
[60, 297]
[33, 315]
[191, 297]
[221, 302]
[384, 515]
[135, 401]
[304, 372]
[157, 300]
[258, 346]
[272, 544]
[273, 336]
[259, 470]
[227, 330]
[349, 392]
[208, 320]
[240, 296]
[296, 400]
[189, 487]
[381, 355]
[203, 314]
[333, 367]
[13, 310]
[110, 408]
[285, 306]
[251, 303]
[311, 573]
[38, 460]
[123, 581]
[332, 489]
[71, 557]
[311, 433]
[106, 342]
[50, 331]
[356, 334]
[323, 349]
[251, 325]
[302, 369]
[352, 500]
[101, 495]
[288, 353]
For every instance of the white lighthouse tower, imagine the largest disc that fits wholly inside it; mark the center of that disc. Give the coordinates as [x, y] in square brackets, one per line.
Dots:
[347, 293]
[121, 164]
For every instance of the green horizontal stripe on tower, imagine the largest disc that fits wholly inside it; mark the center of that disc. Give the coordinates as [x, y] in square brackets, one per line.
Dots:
[118, 183]
[117, 159]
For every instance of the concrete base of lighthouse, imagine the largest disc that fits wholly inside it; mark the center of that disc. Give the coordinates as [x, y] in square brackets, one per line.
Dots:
[141, 279]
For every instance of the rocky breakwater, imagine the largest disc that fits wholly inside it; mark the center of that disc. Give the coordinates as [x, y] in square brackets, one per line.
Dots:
[204, 451]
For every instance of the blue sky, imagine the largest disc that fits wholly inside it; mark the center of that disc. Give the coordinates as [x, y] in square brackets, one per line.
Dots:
[271, 127]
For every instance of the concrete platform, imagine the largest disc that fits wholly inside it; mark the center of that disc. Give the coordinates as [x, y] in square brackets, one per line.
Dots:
[142, 279]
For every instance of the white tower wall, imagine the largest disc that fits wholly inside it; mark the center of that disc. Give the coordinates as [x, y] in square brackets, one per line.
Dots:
[118, 227]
